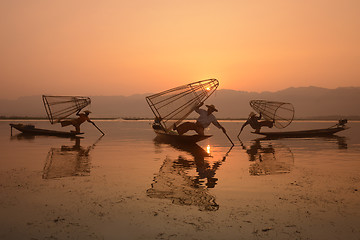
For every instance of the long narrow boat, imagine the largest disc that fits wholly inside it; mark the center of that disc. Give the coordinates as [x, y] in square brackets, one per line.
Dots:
[32, 130]
[304, 133]
[187, 139]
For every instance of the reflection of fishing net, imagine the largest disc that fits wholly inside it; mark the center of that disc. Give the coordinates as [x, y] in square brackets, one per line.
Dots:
[174, 105]
[60, 107]
[173, 183]
[281, 113]
[66, 162]
[271, 159]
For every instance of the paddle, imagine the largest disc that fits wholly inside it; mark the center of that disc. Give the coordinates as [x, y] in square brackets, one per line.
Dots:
[227, 153]
[229, 138]
[98, 128]
[238, 136]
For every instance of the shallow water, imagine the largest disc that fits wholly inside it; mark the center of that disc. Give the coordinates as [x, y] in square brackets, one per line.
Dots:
[132, 145]
[208, 177]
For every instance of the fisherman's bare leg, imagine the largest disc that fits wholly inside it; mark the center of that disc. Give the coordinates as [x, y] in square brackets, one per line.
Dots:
[185, 127]
[200, 131]
[77, 128]
[65, 123]
[269, 124]
[261, 124]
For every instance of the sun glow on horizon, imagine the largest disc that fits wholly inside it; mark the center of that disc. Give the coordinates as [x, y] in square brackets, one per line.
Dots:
[134, 47]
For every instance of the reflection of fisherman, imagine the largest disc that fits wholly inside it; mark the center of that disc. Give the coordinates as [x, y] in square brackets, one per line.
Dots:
[253, 151]
[67, 161]
[76, 122]
[81, 151]
[204, 120]
[206, 171]
[76, 147]
[256, 149]
[254, 122]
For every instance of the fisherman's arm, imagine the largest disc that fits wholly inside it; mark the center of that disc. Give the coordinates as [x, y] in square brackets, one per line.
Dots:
[88, 119]
[197, 108]
[242, 127]
[218, 125]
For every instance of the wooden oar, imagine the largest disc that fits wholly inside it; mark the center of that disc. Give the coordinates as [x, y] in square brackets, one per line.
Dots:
[238, 136]
[98, 128]
[229, 138]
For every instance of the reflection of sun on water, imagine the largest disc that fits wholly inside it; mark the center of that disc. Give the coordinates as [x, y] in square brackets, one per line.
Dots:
[208, 149]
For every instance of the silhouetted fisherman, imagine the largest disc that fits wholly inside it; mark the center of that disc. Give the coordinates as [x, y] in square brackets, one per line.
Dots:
[76, 122]
[254, 122]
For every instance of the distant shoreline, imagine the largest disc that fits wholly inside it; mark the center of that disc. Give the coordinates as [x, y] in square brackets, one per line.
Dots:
[44, 118]
[327, 118]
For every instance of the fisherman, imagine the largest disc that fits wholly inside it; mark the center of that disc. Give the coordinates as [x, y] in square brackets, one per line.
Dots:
[254, 122]
[204, 120]
[76, 122]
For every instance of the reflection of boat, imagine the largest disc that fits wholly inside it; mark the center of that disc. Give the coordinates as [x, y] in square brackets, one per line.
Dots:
[307, 133]
[268, 158]
[341, 141]
[68, 161]
[172, 106]
[190, 147]
[172, 182]
[187, 180]
[204, 169]
[32, 130]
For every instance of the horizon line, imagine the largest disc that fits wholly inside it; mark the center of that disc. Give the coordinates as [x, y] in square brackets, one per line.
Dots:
[222, 89]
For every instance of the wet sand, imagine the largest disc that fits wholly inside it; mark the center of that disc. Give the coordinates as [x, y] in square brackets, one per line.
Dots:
[305, 206]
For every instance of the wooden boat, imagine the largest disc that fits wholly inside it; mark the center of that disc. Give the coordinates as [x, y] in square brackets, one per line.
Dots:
[173, 106]
[32, 130]
[174, 137]
[304, 133]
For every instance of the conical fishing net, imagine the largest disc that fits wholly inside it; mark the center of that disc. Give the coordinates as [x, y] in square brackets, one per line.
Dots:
[61, 107]
[174, 105]
[281, 113]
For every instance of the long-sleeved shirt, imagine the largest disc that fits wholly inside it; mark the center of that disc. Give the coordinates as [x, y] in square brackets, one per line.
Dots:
[205, 120]
[82, 118]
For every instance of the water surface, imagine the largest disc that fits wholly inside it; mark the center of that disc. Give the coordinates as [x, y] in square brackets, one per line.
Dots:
[211, 177]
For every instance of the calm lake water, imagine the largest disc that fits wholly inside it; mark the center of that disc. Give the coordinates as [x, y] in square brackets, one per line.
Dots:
[208, 176]
[132, 146]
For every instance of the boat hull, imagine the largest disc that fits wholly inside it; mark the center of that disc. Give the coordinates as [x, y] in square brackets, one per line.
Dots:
[304, 133]
[31, 130]
[180, 138]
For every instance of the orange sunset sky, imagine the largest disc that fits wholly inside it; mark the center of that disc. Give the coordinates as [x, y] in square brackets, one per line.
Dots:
[90, 47]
